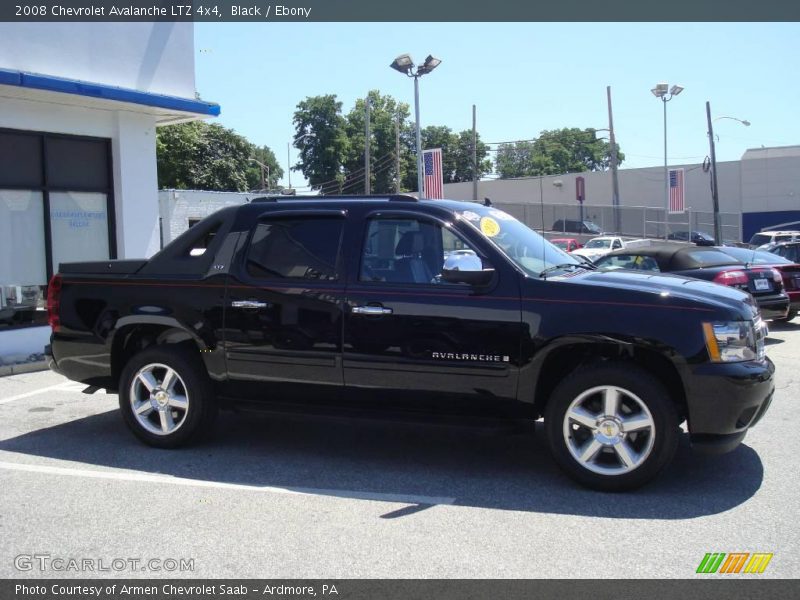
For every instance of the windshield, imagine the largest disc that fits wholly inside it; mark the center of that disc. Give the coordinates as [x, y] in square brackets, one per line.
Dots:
[560, 244]
[759, 238]
[598, 244]
[523, 246]
[593, 227]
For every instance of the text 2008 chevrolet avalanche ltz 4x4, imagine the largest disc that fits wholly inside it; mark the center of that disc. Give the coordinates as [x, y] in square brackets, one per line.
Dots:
[387, 305]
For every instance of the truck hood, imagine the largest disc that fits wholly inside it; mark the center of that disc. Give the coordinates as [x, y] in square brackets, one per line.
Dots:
[661, 285]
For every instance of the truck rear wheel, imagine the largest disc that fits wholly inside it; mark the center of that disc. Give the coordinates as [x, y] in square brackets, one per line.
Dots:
[166, 397]
[611, 427]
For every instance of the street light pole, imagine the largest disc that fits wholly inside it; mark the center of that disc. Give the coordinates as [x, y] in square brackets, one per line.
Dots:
[666, 171]
[404, 64]
[289, 164]
[614, 166]
[665, 94]
[420, 178]
[714, 188]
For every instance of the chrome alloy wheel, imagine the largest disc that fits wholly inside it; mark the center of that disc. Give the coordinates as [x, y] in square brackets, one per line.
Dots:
[609, 430]
[159, 399]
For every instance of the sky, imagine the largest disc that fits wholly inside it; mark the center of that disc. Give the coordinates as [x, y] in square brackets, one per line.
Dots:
[522, 77]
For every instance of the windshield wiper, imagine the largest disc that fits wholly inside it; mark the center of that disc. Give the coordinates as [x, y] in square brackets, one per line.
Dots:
[561, 267]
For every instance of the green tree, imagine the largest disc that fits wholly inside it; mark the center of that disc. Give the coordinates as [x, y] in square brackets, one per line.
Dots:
[323, 154]
[456, 154]
[567, 150]
[385, 112]
[205, 156]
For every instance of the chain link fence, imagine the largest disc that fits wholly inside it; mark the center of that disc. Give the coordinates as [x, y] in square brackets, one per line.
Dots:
[635, 221]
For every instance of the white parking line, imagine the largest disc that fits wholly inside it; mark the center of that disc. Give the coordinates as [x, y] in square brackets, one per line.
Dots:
[148, 478]
[69, 386]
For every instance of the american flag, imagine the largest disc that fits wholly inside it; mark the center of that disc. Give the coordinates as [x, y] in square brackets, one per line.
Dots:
[676, 201]
[432, 160]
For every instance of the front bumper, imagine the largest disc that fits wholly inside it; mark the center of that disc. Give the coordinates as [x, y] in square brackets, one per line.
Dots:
[725, 400]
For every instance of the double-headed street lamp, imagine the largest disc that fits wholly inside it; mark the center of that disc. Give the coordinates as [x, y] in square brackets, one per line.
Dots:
[288, 155]
[665, 93]
[714, 190]
[405, 65]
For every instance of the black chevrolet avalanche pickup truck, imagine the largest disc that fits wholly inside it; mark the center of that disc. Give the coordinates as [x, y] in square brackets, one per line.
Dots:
[387, 305]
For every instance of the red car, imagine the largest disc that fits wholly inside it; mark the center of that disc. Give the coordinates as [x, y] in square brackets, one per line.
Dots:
[790, 272]
[566, 244]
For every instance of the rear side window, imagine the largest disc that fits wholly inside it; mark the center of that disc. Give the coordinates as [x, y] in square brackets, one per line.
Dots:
[710, 258]
[298, 248]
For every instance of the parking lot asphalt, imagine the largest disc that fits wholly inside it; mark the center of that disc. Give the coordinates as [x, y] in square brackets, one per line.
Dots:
[301, 497]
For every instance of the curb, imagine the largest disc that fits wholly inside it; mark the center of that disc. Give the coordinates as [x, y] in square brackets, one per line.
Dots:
[31, 367]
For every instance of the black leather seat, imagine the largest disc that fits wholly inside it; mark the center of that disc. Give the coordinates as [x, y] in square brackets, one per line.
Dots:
[410, 267]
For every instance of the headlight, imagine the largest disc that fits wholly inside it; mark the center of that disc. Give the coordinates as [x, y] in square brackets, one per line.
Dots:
[734, 341]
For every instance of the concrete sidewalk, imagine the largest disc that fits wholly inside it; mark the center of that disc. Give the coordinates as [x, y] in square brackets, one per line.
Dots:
[22, 350]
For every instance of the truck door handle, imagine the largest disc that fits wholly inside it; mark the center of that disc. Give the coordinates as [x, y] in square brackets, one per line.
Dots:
[248, 304]
[371, 310]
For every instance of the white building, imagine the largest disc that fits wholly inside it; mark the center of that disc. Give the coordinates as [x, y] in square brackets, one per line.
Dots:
[79, 107]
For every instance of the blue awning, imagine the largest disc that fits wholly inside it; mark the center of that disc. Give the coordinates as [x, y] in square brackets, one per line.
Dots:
[106, 92]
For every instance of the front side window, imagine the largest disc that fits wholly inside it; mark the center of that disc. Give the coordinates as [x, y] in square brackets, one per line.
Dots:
[295, 248]
[410, 250]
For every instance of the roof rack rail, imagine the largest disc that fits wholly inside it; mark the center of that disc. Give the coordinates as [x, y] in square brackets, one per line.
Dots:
[389, 197]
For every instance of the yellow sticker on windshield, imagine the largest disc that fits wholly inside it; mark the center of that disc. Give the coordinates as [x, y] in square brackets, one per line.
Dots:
[489, 227]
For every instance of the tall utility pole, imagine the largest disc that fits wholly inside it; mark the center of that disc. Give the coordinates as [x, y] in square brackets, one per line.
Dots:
[420, 176]
[474, 155]
[714, 193]
[366, 148]
[397, 154]
[614, 164]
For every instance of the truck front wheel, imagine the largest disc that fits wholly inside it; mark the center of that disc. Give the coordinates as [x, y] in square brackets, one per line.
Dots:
[611, 427]
[166, 397]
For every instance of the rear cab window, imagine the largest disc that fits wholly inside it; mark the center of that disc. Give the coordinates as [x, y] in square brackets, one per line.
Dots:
[295, 248]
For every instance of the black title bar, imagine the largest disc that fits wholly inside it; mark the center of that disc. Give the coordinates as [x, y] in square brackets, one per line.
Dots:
[266, 11]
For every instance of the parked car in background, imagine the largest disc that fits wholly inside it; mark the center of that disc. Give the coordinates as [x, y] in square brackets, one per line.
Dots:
[701, 238]
[577, 226]
[600, 246]
[789, 270]
[711, 264]
[788, 250]
[566, 244]
[773, 237]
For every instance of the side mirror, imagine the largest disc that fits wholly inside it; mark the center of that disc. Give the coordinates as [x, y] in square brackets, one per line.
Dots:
[475, 278]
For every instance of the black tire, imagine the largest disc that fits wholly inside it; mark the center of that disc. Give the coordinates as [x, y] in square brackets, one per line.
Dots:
[192, 383]
[789, 316]
[585, 391]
